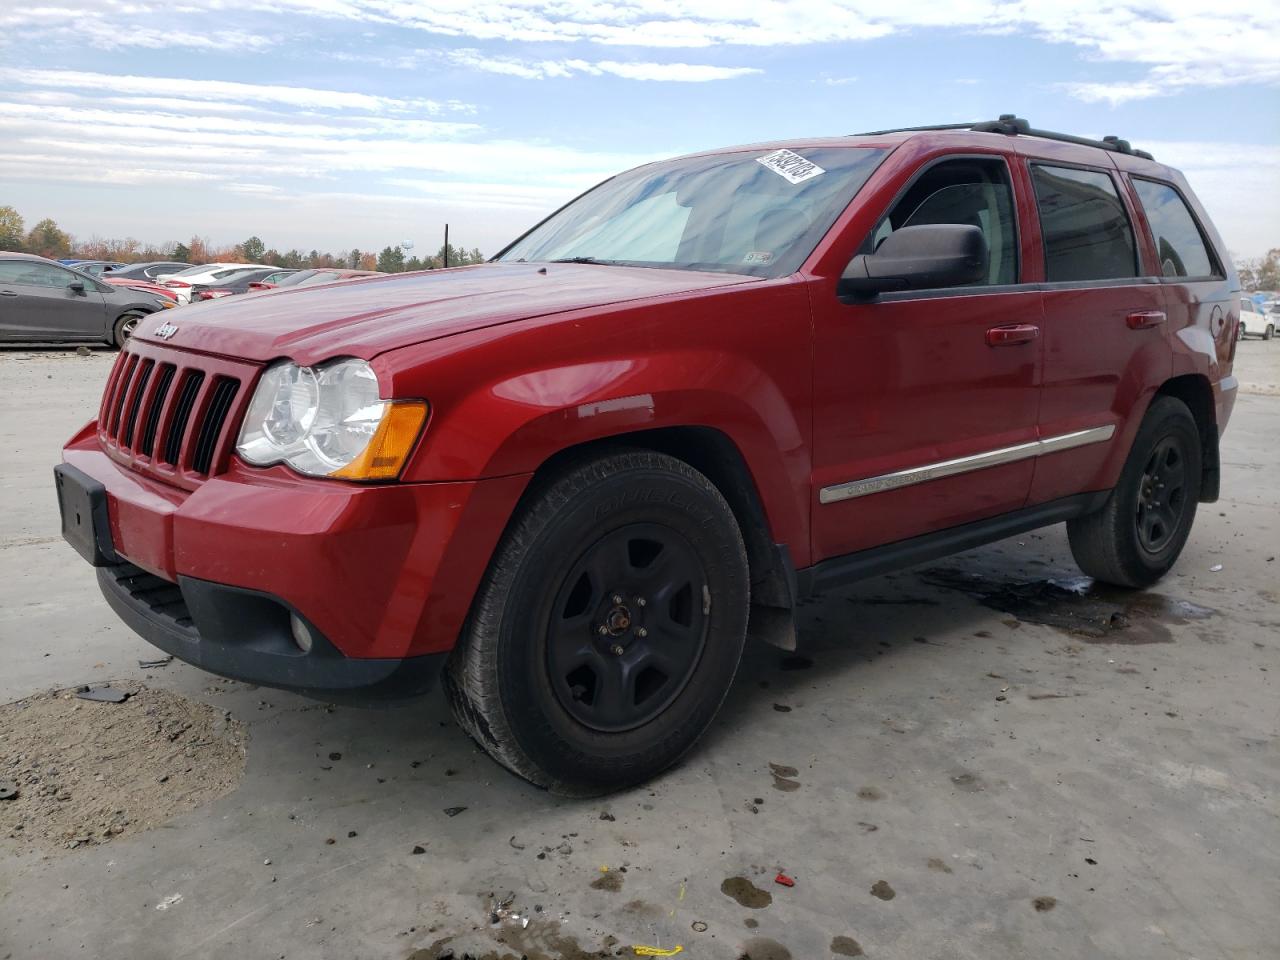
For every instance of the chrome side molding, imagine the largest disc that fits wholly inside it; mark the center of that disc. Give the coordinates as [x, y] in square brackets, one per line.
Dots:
[977, 461]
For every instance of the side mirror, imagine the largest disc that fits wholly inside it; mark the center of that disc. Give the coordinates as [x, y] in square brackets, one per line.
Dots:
[918, 258]
[76, 286]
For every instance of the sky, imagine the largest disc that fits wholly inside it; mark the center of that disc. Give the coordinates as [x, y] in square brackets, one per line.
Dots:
[333, 124]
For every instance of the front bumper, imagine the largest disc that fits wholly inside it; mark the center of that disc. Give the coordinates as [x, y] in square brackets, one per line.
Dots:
[382, 575]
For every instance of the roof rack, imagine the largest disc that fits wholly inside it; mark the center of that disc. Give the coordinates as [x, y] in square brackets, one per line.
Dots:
[1011, 125]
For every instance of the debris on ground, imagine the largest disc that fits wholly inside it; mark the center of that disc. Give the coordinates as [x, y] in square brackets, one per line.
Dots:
[453, 811]
[158, 662]
[1216, 568]
[8, 789]
[418, 849]
[642, 951]
[86, 774]
[882, 890]
[783, 880]
[103, 694]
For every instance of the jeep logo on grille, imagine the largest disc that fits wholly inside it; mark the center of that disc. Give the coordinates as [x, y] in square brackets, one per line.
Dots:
[166, 330]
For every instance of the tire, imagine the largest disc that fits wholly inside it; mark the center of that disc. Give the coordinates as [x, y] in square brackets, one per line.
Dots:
[1139, 532]
[1270, 332]
[124, 327]
[630, 550]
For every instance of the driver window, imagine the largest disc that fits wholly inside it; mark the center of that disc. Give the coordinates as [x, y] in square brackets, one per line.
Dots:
[32, 273]
[975, 192]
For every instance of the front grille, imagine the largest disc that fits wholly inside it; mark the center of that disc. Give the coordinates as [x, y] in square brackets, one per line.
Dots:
[172, 414]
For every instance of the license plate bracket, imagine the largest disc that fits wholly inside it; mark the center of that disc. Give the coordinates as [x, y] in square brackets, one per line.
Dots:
[82, 503]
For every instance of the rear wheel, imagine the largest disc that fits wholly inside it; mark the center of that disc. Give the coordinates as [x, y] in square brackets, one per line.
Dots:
[1137, 535]
[609, 627]
[124, 328]
[1270, 332]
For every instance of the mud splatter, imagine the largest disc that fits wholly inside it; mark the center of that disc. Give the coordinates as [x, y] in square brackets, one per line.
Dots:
[968, 782]
[1044, 904]
[846, 947]
[611, 882]
[882, 890]
[762, 948]
[751, 923]
[782, 777]
[938, 866]
[1093, 611]
[869, 793]
[746, 893]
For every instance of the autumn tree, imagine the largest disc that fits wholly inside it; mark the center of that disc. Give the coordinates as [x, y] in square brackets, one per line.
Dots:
[1261, 273]
[12, 229]
[46, 240]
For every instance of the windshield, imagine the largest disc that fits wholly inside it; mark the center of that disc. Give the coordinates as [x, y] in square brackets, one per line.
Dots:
[293, 279]
[758, 213]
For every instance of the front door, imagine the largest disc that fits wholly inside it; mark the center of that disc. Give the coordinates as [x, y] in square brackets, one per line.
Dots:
[926, 401]
[38, 304]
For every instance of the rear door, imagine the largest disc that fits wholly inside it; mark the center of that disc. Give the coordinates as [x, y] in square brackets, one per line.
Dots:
[926, 401]
[37, 303]
[1104, 324]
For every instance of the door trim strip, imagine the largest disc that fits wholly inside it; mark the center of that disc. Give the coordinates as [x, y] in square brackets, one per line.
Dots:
[978, 461]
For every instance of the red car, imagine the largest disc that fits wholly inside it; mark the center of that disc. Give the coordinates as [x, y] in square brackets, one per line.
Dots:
[145, 286]
[698, 393]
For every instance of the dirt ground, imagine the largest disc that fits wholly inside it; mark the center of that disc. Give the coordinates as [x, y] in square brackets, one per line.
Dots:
[83, 771]
[986, 757]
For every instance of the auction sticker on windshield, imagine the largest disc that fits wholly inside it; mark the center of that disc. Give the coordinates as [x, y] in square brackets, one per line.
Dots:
[791, 166]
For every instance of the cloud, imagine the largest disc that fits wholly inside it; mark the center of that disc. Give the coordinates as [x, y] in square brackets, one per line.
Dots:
[221, 90]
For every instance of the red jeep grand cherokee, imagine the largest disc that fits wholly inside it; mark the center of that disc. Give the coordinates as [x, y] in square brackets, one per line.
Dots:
[572, 477]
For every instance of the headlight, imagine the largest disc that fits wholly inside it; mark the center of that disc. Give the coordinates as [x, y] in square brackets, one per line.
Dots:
[328, 421]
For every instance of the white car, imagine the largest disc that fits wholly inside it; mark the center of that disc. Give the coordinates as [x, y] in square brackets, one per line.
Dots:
[209, 274]
[1255, 323]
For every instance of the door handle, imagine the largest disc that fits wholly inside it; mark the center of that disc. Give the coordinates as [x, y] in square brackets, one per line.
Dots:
[8, 293]
[1012, 335]
[1143, 319]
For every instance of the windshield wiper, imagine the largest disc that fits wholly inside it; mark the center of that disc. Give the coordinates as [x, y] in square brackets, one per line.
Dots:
[605, 263]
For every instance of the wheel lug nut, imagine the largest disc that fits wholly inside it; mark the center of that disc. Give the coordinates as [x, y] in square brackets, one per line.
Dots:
[616, 650]
[640, 601]
[602, 630]
[617, 598]
[642, 632]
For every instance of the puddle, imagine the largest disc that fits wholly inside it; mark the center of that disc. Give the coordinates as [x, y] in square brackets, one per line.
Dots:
[762, 948]
[746, 893]
[1095, 612]
[846, 947]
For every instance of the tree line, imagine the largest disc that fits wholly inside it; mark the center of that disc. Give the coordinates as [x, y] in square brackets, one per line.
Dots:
[47, 239]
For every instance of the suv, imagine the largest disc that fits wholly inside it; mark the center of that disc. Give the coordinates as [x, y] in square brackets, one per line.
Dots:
[572, 478]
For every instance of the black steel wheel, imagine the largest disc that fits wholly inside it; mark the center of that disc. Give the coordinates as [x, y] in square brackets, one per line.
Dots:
[627, 627]
[1141, 529]
[609, 626]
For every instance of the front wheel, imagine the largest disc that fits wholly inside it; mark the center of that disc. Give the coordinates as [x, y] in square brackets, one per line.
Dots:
[124, 328]
[1271, 332]
[609, 627]
[1137, 535]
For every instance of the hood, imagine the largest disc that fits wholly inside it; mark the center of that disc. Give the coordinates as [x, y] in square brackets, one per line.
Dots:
[369, 316]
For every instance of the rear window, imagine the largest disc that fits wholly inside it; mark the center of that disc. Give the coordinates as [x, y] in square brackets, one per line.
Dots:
[1087, 234]
[1179, 243]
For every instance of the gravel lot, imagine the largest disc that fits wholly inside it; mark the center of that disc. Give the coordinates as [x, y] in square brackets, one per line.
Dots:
[955, 766]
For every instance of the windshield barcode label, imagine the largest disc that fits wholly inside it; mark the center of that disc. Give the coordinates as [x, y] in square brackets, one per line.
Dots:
[791, 166]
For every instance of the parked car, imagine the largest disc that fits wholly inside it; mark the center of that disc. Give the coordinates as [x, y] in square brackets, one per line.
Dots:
[144, 286]
[240, 283]
[95, 268]
[42, 301]
[1255, 321]
[150, 271]
[695, 395]
[309, 278]
[209, 273]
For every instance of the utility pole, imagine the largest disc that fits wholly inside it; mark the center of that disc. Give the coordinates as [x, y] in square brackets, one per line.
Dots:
[446, 245]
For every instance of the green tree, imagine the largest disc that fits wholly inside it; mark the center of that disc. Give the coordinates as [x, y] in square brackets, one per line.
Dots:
[12, 229]
[354, 258]
[47, 240]
[253, 249]
[181, 253]
[414, 263]
[391, 260]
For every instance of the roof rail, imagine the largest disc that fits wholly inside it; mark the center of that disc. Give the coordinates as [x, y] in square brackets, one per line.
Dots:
[1012, 126]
